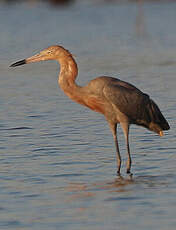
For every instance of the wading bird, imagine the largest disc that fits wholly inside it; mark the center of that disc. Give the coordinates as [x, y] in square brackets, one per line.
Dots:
[119, 101]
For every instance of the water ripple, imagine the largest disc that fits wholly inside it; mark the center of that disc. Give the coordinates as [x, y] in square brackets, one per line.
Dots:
[16, 128]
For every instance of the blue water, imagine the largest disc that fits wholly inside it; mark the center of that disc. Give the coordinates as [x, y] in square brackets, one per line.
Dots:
[57, 158]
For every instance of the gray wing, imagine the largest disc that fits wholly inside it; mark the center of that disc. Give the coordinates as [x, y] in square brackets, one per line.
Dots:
[128, 99]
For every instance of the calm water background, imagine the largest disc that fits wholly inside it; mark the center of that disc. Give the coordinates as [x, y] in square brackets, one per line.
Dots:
[57, 159]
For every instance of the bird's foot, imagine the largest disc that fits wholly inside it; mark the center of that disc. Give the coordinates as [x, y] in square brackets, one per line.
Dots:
[128, 172]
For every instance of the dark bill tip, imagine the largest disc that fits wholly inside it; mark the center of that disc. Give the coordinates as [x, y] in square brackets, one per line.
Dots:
[22, 62]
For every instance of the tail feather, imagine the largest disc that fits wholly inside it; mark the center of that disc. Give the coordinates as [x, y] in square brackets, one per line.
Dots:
[157, 117]
[152, 118]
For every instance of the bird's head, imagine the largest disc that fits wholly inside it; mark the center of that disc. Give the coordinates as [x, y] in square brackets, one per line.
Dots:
[50, 53]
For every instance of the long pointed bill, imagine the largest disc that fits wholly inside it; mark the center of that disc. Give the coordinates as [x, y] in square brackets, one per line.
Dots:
[35, 58]
[22, 62]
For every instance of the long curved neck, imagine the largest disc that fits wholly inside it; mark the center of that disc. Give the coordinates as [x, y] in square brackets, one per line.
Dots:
[67, 76]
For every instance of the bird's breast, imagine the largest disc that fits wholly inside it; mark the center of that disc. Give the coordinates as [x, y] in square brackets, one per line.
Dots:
[95, 104]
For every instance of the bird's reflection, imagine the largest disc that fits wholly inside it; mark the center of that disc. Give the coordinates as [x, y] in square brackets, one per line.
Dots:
[120, 184]
[86, 195]
[78, 190]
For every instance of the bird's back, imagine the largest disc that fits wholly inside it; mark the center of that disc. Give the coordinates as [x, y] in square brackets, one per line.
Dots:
[130, 101]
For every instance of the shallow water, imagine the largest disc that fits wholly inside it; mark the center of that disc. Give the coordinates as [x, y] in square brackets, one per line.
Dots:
[57, 158]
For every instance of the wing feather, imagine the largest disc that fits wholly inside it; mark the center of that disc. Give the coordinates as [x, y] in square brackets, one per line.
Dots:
[128, 99]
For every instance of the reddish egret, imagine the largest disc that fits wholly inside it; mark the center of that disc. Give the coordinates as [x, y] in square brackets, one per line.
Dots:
[119, 101]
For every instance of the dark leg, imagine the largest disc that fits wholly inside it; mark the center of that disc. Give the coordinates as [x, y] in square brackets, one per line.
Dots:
[125, 127]
[114, 133]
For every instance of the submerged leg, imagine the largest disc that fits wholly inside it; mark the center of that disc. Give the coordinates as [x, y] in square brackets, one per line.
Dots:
[125, 127]
[114, 133]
